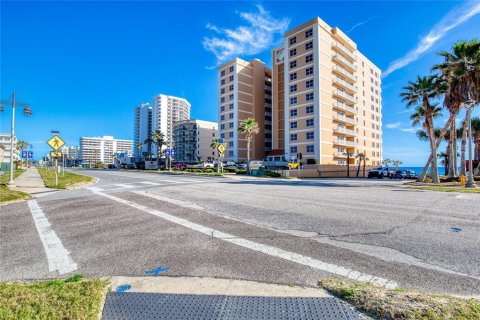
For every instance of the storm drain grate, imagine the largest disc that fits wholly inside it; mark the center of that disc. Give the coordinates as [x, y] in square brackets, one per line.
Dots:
[133, 306]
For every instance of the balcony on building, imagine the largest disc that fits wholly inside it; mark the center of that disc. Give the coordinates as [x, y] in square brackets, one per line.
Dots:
[347, 53]
[347, 98]
[347, 87]
[345, 132]
[345, 143]
[340, 155]
[344, 119]
[352, 67]
[349, 77]
[339, 105]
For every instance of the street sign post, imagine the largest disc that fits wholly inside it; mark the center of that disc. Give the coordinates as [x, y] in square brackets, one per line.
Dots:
[24, 154]
[55, 154]
[56, 143]
[30, 154]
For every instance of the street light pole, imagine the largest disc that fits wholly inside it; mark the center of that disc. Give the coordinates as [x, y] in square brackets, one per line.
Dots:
[27, 111]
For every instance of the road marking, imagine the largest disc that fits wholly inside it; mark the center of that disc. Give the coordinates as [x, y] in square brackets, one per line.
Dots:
[95, 189]
[192, 181]
[272, 251]
[124, 186]
[151, 183]
[180, 203]
[58, 257]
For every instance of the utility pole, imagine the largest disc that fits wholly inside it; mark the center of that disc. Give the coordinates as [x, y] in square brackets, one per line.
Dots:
[27, 112]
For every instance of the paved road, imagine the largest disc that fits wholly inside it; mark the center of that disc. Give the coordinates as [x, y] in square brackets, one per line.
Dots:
[278, 231]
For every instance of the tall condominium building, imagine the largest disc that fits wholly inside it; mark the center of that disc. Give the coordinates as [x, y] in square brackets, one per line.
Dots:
[142, 127]
[327, 97]
[192, 140]
[165, 111]
[245, 90]
[71, 154]
[93, 149]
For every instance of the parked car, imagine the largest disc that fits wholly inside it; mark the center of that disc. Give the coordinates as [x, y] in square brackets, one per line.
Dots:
[411, 174]
[242, 166]
[205, 165]
[379, 173]
[400, 174]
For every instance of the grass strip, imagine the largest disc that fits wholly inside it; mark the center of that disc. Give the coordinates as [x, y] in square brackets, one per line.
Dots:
[72, 298]
[6, 194]
[398, 303]
[446, 189]
[70, 180]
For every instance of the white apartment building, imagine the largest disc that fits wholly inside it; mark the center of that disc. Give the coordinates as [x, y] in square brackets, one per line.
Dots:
[5, 141]
[94, 149]
[165, 111]
[71, 154]
[142, 127]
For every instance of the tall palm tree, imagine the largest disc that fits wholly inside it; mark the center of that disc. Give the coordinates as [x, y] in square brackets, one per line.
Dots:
[158, 138]
[461, 67]
[422, 91]
[20, 146]
[396, 163]
[139, 148]
[249, 127]
[476, 142]
[149, 141]
[361, 157]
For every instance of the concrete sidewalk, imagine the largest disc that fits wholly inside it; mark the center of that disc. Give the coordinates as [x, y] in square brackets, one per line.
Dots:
[31, 182]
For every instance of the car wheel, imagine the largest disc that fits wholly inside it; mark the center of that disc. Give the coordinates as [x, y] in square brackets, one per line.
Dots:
[381, 176]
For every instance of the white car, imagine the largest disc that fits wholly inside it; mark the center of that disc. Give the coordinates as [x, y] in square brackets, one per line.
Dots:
[205, 165]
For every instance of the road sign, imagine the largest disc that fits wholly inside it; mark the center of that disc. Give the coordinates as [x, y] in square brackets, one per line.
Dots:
[55, 154]
[30, 154]
[55, 142]
[221, 155]
[220, 140]
[24, 154]
[221, 148]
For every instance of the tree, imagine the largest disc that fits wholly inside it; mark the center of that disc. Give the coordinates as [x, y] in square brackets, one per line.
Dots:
[396, 163]
[421, 92]
[361, 157]
[149, 142]
[461, 68]
[214, 145]
[139, 148]
[20, 147]
[249, 127]
[158, 138]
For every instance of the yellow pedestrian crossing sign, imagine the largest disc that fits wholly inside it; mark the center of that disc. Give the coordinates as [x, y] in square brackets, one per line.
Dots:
[55, 154]
[221, 148]
[55, 142]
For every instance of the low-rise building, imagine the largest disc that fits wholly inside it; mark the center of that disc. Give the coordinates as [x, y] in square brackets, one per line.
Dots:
[102, 149]
[192, 140]
[5, 141]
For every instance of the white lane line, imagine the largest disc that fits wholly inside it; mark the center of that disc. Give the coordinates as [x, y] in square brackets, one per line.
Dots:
[272, 251]
[171, 181]
[151, 183]
[95, 189]
[124, 186]
[180, 203]
[192, 181]
[58, 257]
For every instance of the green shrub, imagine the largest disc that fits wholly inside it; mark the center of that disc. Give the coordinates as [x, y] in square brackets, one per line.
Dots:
[241, 172]
[232, 170]
[272, 174]
[208, 170]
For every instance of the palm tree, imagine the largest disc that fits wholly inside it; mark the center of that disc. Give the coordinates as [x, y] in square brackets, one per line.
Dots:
[149, 142]
[214, 145]
[476, 142]
[396, 163]
[421, 92]
[361, 157]
[20, 147]
[139, 148]
[158, 138]
[461, 68]
[249, 127]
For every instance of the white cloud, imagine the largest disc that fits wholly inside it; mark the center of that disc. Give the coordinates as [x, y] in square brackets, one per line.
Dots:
[360, 24]
[458, 15]
[408, 129]
[394, 125]
[254, 37]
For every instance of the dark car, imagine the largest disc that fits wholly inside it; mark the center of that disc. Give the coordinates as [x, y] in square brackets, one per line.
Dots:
[400, 174]
[379, 173]
[411, 174]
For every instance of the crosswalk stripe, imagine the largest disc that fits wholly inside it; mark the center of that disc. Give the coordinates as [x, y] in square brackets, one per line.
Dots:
[124, 186]
[150, 183]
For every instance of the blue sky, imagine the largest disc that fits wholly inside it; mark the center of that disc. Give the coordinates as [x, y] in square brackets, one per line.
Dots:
[83, 66]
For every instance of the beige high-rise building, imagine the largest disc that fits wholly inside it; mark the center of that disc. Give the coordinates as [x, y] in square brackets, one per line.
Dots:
[245, 90]
[326, 97]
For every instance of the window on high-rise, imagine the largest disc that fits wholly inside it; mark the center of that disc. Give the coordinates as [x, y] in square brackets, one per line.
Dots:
[222, 108]
[308, 45]
[293, 40]
[308, 33]
[309, 109]
[230, 153]
[222, 91]
[293, 150]
[230, 106]
[222, 73]
[230, 96]
[230, 134]
[231, 69]
[230, 144]
[293, 52]
[309, 96]
[231, 78]
[309, 58]
[310, 135]
[309, 84]
[309, 71]
[293, 88]
[230, 116]
[231, 87]
[222, 127]
[293, 64]
[293, 112]
[293, 76]
[230, 125]
[222, 135]
[309, 148]
[222, 82]
[293, 100]
[222, 117]
[293, 125]
[293, 137]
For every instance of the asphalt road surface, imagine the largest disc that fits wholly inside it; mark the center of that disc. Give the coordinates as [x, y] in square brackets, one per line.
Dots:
[269, 230]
